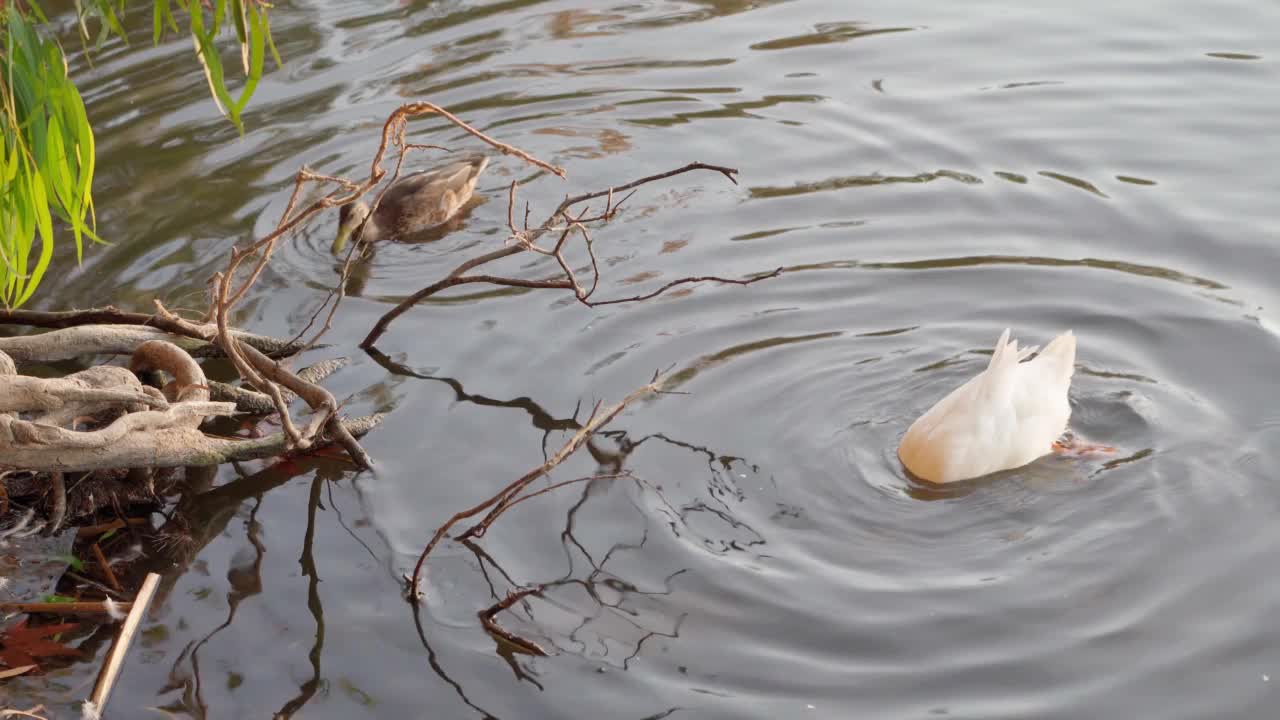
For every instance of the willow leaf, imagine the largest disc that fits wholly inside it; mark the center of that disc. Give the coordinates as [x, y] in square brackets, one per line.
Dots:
[238, 14]
[257, 43]
[45, 223]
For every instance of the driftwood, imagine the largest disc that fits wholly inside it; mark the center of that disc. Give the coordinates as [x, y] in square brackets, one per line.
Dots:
[85, 391]
[167, 446]
[87, 338]
[148, 428]
[143, 426]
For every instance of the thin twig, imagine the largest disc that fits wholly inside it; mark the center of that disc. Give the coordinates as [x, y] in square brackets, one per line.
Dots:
[730, 173]
[105, 567]
[63, 608]
[682, 281]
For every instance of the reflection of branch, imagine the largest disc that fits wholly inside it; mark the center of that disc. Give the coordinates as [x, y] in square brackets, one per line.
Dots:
[250, 583]
[491, 625]
[480, 528]
[439, 669]
[599, 418]
[308, 562]
[542, 419]
[483, 558]
[590, 585]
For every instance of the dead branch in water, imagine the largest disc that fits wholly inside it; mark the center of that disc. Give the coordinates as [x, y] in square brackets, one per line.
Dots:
[130, 425]
[349, 191]
[105, 419]
[562, 221]
[270, 378]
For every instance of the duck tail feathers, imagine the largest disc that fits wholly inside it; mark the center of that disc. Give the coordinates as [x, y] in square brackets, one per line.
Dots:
[1004, 348]
[1060, 354]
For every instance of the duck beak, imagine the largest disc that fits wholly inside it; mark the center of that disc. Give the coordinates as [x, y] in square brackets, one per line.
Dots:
[340, 242]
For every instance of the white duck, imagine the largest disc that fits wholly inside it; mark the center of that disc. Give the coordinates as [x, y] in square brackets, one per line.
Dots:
[1010, 414]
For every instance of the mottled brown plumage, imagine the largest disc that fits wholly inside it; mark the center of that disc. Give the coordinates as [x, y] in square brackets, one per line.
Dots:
[413, 203]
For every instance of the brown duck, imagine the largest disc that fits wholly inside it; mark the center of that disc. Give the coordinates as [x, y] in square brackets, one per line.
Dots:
[413, 203]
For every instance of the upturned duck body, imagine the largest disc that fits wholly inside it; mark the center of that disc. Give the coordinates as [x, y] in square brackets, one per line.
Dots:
[1010, 414]
[413, 203]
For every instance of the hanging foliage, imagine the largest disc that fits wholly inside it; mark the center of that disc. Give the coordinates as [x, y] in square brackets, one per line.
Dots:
[47, 155]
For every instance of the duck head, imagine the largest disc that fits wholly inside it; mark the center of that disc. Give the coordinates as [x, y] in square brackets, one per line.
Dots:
[350, 218]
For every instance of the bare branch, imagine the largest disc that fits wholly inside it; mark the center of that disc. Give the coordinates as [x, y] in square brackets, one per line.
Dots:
[682, 281]
[730, 173]
[525, 240]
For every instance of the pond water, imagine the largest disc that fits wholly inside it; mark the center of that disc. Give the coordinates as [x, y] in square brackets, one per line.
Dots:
[927, 173]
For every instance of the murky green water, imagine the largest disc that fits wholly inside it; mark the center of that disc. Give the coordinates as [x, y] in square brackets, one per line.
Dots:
[928, 173]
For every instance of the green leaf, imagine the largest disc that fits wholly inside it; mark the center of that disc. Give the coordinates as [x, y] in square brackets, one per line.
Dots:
[237, 14]
[109, 14]
[257, 37]
[44, 223]
[207, 54]
[47, 146]
[271, 42]
[38, 11]
[76, 563]
[157, 21]
[219, 12]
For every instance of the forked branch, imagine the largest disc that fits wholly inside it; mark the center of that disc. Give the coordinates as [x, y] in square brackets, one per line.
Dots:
[564, 222]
